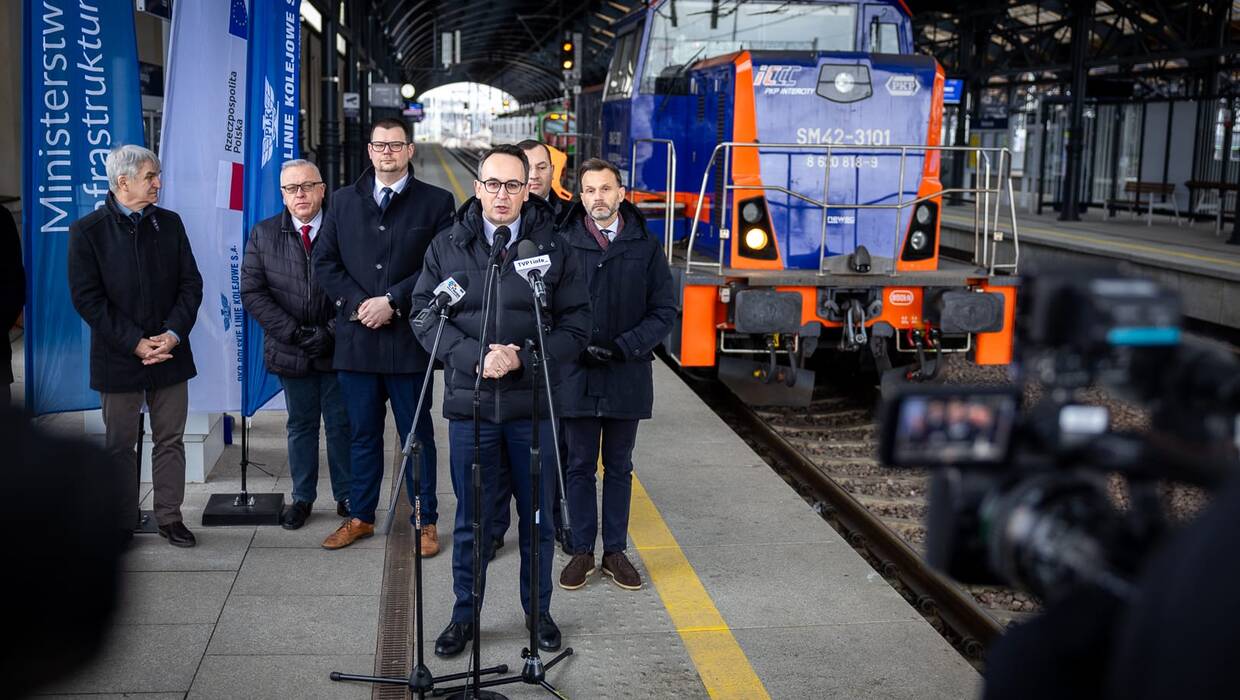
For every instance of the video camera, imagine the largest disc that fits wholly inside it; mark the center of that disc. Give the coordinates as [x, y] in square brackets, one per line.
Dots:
[1020, 496]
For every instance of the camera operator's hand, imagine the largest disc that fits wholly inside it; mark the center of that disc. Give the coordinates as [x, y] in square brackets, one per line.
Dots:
[315, 341]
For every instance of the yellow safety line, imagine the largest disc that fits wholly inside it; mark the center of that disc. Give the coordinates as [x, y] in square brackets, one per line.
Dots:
[1114, 243]
[460, 191]
[720, 662]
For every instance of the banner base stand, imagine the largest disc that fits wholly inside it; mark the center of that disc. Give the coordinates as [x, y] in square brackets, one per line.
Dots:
[243, 509]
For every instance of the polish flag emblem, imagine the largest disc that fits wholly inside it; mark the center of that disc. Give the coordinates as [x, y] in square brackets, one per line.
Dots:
[228, 183]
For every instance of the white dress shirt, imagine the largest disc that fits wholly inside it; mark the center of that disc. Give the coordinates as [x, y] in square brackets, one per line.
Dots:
[314, 224]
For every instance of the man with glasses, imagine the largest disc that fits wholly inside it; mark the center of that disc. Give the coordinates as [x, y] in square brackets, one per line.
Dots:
[501, 199]
[298, 323]
[542, 172]
[368, 258]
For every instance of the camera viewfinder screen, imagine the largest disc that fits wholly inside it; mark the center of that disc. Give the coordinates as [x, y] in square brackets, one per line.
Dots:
[954, 429]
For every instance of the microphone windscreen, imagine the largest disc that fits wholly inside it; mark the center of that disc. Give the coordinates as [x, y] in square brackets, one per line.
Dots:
[527, 249]
[502, 235]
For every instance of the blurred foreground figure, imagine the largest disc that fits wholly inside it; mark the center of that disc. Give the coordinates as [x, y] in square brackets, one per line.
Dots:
[62, 585]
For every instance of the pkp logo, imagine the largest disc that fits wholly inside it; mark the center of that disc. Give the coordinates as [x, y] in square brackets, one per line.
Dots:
[903, 85]
[900, 297]
[270, 111]
[776, 76]
[226, 312]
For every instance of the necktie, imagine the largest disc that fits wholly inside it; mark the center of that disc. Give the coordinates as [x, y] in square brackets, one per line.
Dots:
[305, 238]
[135, 217]
[601, 237]
[387, 199]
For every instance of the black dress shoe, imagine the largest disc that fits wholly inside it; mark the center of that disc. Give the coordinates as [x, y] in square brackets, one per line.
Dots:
[548, 632]
[453, 638]
[295, 515]
[177, 534]
[342, 508]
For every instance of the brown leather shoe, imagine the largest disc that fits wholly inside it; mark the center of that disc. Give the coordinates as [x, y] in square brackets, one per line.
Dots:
[430, 540]
[621, 571]
[351, 531]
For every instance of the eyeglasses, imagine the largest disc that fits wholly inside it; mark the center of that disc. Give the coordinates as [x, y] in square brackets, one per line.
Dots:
[393, 146]
[511, 187]
[306, 187]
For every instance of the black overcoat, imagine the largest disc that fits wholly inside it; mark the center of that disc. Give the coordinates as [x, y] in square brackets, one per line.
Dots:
[632, 307]
[362, 252]
[130, 282]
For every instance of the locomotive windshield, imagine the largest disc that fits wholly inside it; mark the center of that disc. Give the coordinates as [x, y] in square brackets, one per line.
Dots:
[685, 31]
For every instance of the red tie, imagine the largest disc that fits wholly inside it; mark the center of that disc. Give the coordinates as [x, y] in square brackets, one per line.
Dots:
[305, 237]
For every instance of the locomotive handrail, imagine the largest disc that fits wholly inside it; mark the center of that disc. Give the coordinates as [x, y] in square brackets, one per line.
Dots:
[669, 196]
[984, 253]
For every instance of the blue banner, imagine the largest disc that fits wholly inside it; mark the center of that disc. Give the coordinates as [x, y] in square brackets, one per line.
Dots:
[80, 99]
[272, 67]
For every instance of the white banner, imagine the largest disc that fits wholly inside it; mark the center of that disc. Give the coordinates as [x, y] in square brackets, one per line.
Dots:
[202, 148]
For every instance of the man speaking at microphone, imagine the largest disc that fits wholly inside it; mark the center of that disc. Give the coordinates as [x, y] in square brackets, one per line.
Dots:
[486, 230]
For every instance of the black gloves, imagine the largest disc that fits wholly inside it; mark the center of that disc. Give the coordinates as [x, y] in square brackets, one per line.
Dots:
[315, 340]
[602, 354]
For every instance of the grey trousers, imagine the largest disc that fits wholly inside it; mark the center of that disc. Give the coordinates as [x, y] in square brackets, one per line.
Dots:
[168, 408]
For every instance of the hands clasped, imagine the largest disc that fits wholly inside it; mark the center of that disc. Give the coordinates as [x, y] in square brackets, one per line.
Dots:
[375, 312]
[501, 360]
[157, 348]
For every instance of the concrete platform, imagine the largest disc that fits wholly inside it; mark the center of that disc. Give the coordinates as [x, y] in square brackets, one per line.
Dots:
[748, 593]
[1191, 259]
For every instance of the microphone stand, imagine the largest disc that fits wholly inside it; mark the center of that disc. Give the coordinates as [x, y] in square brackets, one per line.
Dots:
[472, 690]
[534, 671]
[420, 680]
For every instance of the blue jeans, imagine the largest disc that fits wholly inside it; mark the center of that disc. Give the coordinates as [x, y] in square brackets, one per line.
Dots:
[618, 438]
[516, 436]
[365, 396]
[309, 398]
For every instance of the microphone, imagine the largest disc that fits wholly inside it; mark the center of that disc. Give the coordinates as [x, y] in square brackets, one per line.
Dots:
[498, 243]
[448, 293]
[532, 266]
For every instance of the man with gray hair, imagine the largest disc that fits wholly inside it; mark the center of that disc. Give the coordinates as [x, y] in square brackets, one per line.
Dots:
[133, 279]
[299, 329]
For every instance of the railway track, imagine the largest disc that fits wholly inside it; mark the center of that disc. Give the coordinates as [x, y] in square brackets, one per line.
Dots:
[826, 453]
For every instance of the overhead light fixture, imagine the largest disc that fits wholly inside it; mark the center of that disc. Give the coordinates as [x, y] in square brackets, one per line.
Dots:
[407, 91]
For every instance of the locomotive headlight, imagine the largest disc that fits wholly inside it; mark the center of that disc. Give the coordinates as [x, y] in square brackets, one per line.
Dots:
[756, 239]
[918, 239]
[844, 82]
[751, 213]
[923, 215]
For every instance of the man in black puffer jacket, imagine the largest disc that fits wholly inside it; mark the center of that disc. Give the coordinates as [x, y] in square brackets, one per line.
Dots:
[298, 320]
[502, 201]
[610, 388]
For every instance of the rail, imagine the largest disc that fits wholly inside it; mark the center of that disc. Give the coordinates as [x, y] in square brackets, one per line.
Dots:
[669, 204]
[993, 185]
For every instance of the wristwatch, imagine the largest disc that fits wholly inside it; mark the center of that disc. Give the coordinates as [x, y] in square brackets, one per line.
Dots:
[392, 303]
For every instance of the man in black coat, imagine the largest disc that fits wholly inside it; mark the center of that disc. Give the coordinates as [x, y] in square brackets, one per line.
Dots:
[133, 279]
[610, 388]
[298, 320]
[367, 258]
[501, 201]
[12, 298]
